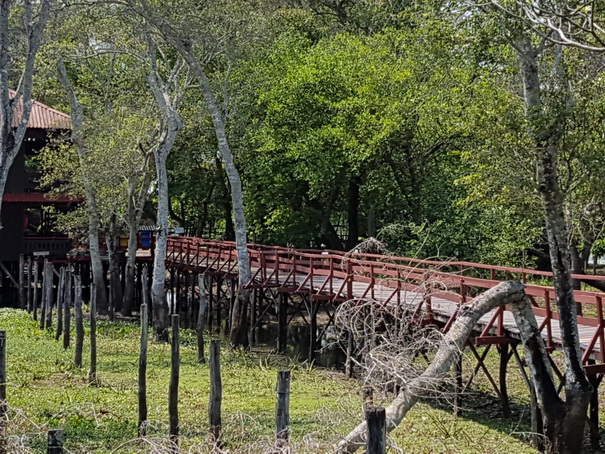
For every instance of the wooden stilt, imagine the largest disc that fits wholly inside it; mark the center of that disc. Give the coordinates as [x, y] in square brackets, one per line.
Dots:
[595, 436]
[504, 358]
[282, 323]
[313, 329]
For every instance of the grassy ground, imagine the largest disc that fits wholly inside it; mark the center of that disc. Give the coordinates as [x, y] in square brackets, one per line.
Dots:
[46, 391]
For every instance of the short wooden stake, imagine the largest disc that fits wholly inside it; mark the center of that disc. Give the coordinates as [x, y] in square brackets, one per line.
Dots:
[216, 390]
[142, 391]
[173, 395]
[92, 372]
[377, 430]
[55, 442]
[67, 309]
[60, 296]
[79, 321]
[200, 319]
[282, 408]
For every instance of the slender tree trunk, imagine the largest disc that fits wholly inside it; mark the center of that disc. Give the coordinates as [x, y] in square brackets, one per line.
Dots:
[129, 279]
[12, 137]
[77, 120]
[577, 387]
[158, 295]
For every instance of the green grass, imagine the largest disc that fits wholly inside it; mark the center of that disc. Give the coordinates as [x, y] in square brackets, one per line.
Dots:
[45, 391]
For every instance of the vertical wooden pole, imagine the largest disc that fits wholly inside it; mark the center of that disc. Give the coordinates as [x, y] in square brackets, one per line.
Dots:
[201, 357]
[79, 321]
[312, 328]
[142, 391]
[48, 300]
[43, 295]
[3, 407]
[504, 357]
[35, 291]
[60, 295]
[67, 309]
[55, 442]
[209, 286]
[2, 374]
[216, 390]
[92, 372]
[377, 430]
[28, 294]
[282, 407]
[282, 323]
[173, 395]
[22, 303]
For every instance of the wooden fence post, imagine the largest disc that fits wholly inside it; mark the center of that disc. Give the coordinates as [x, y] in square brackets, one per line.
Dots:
[67, 309]
[282, 407]
[92, 373]
[79, 321]
[377, 430]
[2, 375]
[43, 295]
[55, 441]
[142, 391]
[60, 301]
[173, 395]
[201, 357]
[216, 390]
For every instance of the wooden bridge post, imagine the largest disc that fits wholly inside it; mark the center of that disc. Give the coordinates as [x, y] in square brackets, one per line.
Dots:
[314, 305]
[282, 324]
[504, 358]
[209, 314]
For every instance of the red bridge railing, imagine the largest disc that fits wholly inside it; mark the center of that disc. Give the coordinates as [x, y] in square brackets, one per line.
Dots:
[336, 276]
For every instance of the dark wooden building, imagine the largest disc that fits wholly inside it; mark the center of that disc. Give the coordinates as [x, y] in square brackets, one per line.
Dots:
[25, 225]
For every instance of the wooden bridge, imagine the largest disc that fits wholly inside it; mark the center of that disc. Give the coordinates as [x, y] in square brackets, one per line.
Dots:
[288, 282]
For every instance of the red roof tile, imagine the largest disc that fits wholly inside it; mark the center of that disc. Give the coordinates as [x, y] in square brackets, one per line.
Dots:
[41, 116]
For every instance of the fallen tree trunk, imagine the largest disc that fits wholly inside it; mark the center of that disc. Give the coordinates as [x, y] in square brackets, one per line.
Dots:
[449, 351]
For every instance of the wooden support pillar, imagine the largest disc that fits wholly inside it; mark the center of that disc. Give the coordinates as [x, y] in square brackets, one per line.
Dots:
[209, 287]
[217, 300]
[282, 323]
[504, 358]
[36, 292]
[252, 316]
[314, 305]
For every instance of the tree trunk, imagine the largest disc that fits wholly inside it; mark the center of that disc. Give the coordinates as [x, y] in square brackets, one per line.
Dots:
[449, 351]
[161, 320]
[577, 386]
[129, 279]
[353, 213]
[77, 120]
[11, 138]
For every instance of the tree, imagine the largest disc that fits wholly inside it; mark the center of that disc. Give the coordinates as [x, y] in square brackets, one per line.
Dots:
[200, 39]
[15, 108]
